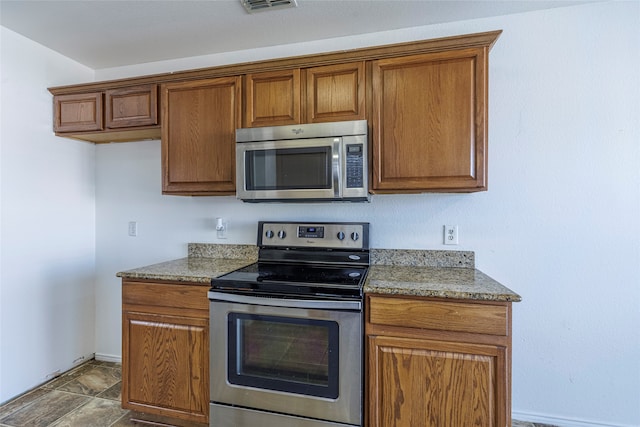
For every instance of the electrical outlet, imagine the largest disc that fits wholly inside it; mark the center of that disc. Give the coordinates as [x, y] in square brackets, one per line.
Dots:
[221, 228]
[450, 234]
[133, 228]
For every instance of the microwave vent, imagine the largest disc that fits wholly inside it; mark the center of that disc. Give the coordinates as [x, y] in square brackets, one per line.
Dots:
[253, 6]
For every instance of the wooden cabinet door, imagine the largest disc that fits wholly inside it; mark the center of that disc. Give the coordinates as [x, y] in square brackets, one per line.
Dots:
[78, 112]
[199, 121]
[335, 92]
[166, 365]
[429, 122]
[424, 383]
[272, 98]
[131, 106]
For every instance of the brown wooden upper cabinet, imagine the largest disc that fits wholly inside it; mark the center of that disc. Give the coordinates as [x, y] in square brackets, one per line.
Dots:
[335, 93]
[272, 98]
[78, 112]
[119, 114]
[309, 95]
[425, 103]
[199, 121]
[430, 122]
[131, 106]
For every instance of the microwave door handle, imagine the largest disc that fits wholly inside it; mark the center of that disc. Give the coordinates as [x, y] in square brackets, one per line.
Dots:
[335, 168]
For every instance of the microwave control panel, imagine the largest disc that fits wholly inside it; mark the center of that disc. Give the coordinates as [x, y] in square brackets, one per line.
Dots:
[355, 165]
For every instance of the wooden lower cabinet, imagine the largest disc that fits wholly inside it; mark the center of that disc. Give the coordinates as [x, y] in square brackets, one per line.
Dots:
[165, 352]
[437, 363]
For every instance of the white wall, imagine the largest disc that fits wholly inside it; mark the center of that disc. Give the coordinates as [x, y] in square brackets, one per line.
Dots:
[559, 224]
[47, 196]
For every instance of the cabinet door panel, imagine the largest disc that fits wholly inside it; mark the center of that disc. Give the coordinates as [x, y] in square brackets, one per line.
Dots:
[429, 122]
[78, 113]
[335, 92]
[198, 136]
[165, 365]
[132, 106]
[421, 383]
[273, 98]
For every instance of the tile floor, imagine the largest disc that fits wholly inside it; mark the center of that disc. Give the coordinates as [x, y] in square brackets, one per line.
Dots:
[87, 396]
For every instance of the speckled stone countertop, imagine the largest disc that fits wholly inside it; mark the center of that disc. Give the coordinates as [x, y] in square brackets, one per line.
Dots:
[439, 282]
[440, 274]
[204, 262]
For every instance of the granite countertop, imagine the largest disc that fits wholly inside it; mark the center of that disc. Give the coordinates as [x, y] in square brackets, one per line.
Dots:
[440, 274]
[195, 270]
[439, 282]
[202, 264]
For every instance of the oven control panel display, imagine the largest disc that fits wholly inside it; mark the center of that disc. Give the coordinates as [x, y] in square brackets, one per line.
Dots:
[344, 235]
[310, 232]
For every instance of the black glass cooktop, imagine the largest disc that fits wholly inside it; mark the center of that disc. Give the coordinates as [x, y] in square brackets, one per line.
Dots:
[296, 280]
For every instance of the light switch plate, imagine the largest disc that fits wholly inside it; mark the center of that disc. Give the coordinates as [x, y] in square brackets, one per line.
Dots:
[133, 228]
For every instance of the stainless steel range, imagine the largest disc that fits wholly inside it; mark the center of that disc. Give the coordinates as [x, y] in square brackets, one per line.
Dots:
[286, 331]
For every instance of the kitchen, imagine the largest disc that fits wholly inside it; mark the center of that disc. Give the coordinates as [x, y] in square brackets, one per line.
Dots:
[558, 223]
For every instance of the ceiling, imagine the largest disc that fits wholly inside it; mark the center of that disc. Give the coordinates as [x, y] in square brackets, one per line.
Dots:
[103, 34]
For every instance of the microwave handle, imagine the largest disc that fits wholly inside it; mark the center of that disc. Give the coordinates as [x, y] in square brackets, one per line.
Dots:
[335, 167]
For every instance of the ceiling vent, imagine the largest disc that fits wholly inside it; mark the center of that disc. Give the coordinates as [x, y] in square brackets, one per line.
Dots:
[253, 6]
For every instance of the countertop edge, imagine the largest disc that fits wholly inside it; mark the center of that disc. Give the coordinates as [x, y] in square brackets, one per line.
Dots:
[437, 282]
[473, 296]
[165, 278]
[189, 269]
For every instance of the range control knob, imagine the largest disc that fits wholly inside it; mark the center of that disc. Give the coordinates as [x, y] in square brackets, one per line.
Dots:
[269, 234]
[282, 234]
[340, 235]
[355, 236]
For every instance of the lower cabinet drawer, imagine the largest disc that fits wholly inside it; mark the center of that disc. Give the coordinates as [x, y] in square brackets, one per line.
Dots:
[454, 316]
[173, 295]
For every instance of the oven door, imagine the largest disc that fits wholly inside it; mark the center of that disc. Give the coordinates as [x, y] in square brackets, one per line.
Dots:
[302, 359]
[289, 169]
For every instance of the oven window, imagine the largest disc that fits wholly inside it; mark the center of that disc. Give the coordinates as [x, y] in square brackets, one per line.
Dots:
[285, 354]
[288, 169]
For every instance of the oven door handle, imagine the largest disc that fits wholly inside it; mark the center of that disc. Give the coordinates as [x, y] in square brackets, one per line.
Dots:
[286, 302]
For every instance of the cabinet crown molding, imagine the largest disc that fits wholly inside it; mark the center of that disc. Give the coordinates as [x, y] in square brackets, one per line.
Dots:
[485, 39]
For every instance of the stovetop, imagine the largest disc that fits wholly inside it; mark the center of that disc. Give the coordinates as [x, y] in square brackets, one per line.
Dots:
[300, 273]
[304, 260]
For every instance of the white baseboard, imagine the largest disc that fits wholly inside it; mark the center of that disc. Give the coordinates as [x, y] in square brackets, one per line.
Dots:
[108, 358]
[561, 422]
[66, 368]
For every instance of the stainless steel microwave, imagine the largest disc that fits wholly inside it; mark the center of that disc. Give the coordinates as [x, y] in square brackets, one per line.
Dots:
[303, 163]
